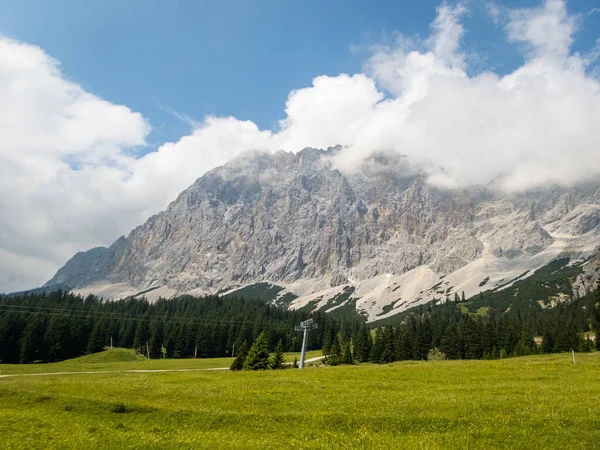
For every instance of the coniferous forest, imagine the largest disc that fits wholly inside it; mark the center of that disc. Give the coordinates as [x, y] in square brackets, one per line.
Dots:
[55, 326]
[449, 331]
[46, 327]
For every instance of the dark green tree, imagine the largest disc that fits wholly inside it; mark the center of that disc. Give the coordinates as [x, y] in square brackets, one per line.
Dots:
[362, 344]
[451, 343]
[32, 342]
[388, 353]
[97, 339]
[335, 355]
[142, 334]
[258, 355]
[470, 337]
[378, 346]
[278, 359]
[347, 355]
[238, 362]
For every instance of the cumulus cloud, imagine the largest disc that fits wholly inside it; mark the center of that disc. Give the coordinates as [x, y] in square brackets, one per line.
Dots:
[70, 180]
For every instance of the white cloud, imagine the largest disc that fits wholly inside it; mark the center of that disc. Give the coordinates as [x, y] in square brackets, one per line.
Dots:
[547, 30]
[68, 180]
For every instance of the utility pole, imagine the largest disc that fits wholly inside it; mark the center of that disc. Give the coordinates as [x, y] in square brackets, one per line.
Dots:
[233, 350]
[147, 350]
[305, 327]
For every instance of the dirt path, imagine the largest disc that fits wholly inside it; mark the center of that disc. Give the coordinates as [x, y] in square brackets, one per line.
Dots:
[128, 371]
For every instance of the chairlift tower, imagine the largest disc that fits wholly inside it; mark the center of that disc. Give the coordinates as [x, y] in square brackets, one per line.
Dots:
[305, 327]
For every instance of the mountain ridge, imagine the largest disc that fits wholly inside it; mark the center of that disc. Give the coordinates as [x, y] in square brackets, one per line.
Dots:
[294, 221]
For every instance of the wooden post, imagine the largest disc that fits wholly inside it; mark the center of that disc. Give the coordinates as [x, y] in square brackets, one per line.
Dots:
[573, 356]
[147, 350]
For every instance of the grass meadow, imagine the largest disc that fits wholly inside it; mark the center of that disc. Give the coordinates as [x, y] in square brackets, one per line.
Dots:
[117, 359]
[530, 402]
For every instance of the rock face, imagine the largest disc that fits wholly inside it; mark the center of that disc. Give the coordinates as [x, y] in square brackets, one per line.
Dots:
[288, 217]
[589, 280]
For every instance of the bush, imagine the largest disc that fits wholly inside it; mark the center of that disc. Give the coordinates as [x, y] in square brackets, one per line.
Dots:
[435, 354]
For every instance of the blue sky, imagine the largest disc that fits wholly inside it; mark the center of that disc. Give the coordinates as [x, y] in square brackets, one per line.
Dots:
[231, 57]
[475, 92]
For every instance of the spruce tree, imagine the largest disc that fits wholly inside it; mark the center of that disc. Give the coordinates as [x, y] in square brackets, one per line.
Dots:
[470, 338]
[335, 355]
[388, 354]
[327, 341]
[32, 340]
[347, 355]
[142, 334]
[547, 340]
[238, 362]
[97, 338]
[278, 359]
[362, 344]
[258, 355]
[451, 343]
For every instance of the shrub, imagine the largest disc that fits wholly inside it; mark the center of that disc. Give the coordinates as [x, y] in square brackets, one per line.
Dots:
[435, 354]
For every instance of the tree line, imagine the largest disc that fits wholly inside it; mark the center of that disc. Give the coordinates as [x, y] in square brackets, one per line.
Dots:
[449, 331]
[47, 327]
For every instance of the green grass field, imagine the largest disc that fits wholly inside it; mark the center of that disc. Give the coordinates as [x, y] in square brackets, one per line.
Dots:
[530, 402]
[125, 359]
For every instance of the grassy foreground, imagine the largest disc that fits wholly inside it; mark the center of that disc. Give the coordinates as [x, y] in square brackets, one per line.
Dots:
[125, 359]
[530, 402]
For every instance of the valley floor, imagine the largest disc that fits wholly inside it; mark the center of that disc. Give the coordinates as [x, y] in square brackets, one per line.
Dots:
[529, 402]
[125, 360]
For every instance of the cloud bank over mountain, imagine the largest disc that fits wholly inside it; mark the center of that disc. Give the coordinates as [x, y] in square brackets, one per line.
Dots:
[72, 178]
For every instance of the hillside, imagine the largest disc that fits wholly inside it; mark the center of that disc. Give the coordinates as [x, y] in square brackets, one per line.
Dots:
[310, 234]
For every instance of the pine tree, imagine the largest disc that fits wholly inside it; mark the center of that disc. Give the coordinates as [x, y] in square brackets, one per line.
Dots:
[347, 355]
[362, 344]
[378, 346]
[335, 355]
[98, 337]
[388, 354]
[526, 343]
[327, 341]
[258, 355]
[451, 343]
[278, 359]
[156, 338]
[142, 334]
[470, 338]
[463, 296]
[32, 341]
[238, 362]
[547, 341]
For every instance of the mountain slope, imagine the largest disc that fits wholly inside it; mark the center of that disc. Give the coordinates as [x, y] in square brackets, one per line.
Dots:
[294, 222]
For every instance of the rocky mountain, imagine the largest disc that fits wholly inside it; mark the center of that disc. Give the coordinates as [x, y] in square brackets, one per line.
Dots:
[379, 239]
[589, 280]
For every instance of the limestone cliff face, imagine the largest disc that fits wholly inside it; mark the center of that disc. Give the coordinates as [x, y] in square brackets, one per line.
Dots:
[285, 217]
[589, 280]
